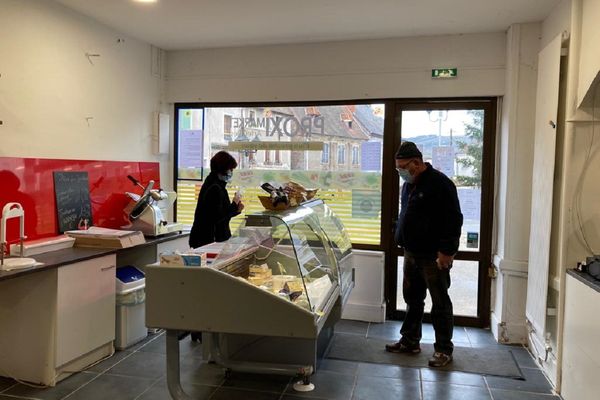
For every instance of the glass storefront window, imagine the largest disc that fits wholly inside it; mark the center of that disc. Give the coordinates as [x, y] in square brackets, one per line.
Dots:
[345, 165]
[452, 141]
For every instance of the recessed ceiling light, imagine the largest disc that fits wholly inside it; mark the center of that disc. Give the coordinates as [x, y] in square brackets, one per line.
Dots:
[145, 1]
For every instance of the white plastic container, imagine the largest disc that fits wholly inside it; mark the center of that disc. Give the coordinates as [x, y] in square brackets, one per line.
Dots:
[131, 307]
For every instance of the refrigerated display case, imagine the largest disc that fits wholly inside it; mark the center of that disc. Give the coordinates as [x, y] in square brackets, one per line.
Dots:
[269, 300]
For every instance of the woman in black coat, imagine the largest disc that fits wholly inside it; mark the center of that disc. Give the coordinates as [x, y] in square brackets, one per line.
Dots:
[214, 210]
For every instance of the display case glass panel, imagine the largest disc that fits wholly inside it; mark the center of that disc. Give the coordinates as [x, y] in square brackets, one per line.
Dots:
[292, 254]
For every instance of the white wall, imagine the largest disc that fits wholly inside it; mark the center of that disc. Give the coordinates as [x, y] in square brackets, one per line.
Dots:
[589, 62]
[339, 70]
[513, 200]
[48, 87]
[557, 22]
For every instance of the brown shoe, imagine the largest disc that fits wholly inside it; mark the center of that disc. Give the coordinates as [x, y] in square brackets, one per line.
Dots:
[400, 347]
[440, 359]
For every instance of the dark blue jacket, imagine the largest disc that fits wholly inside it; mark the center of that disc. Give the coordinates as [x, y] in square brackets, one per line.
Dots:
[430, 219]
[213, 212]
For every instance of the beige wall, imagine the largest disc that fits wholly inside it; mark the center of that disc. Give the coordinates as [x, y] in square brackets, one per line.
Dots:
[55, 103]
[339, 70]
[589, 61]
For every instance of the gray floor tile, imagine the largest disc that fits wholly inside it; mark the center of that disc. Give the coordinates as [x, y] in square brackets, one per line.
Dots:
[388, 371]
[371, 387]
[145, 341]
[349, 326]
[386, 330]
[5, 383]
[159, 391]
[458, 378]
[110, 362]
[141, 364]
[159, 345]
[489, 345]
[257, 382]
[480, 336]
[523, 357]
[512, 395]
[339, 366]
[154, 344]
[3, 397]
[328, 385]
[535, 382]
[391, 331]
[427, 331]
[459, 334]
[456, 343]
[140, 372]
[196, 371]
[57, 392]
[436, 391]
[112, 387]
[224, 393]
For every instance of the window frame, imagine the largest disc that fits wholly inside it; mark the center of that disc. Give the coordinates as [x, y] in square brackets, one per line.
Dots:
[389, 174]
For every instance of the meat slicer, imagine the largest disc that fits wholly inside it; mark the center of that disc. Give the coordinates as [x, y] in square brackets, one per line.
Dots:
[148, 212]
[13, 210]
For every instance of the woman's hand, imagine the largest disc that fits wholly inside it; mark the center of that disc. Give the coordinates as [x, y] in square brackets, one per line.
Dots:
[240, 206]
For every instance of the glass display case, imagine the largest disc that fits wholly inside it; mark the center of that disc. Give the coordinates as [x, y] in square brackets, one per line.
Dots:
[296, 255]
[269, 299]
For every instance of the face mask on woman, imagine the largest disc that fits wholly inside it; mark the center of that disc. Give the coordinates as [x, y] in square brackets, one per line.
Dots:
[226, 177]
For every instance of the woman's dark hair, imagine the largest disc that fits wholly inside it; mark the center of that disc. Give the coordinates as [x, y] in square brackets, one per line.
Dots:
[222, 162]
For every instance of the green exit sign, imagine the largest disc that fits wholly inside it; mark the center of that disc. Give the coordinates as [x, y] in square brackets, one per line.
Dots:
[444, 73]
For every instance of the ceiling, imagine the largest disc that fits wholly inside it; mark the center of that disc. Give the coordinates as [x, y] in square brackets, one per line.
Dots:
[193, 24]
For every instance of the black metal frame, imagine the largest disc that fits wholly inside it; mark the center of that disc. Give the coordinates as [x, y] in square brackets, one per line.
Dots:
[390, 185]
[391, 191]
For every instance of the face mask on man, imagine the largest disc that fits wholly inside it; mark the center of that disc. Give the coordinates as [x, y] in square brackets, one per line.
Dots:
[405, 175]
[227, 177]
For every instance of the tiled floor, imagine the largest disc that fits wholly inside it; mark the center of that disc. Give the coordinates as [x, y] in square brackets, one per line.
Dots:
[139, 374]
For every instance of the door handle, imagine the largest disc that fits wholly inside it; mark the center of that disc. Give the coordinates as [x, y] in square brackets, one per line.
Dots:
[107, 268]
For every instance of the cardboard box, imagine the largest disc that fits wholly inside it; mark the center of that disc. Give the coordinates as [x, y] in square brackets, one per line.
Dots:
[107, 238]
[39, 246]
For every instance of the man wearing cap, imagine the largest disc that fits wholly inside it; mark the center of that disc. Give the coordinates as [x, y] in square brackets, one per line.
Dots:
[428, 229]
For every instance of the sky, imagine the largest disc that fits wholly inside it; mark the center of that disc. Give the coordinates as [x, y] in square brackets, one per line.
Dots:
[418, 123]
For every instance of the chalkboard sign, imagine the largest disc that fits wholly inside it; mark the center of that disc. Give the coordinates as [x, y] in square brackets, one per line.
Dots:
[73, 205]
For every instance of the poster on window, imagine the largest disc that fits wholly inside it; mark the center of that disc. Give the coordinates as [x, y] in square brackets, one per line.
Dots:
[442, 158]
[366, 203]
[191, 145]
[370, 156]
[470, 203]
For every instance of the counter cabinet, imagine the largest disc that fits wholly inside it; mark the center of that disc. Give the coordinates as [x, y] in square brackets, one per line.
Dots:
[269, 300]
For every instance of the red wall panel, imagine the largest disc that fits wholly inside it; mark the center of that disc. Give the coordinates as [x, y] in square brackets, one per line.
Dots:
[30, 181]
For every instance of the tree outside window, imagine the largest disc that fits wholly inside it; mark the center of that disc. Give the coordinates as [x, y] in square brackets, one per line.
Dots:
[473, 150]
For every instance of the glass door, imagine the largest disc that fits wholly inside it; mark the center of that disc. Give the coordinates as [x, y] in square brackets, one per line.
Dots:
[456, 138]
